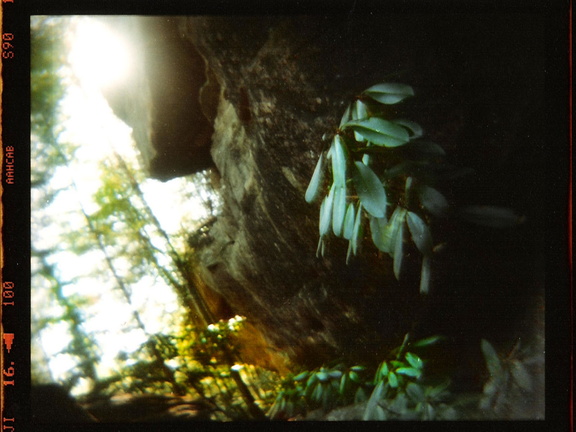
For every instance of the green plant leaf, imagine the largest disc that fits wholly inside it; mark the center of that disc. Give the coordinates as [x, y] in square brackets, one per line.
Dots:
[440, 391]
[398, 251]
[339, 210]
[360, 395]
[433, 201]
[379, 131]
[408, 185]
[377, 228]
[492, 360]
[334, 390]
[312, 379]
[321, 247]
[301, 376]
[354, 377]
[427, 341]
[344, 384]
[359, 112]
[322, 376]
[366, 159]
[411, 372]
[521, 375]
[415, 361]
[425, 274]
[489, 390]
[399, 406]
[326, 213]
[495, 217]
[379, 413]
[339, 161]
[409, 192]
[381, 372]
[375, 397]
[316, 181]
[282, 406]
[428, 412]
[415, 392]
[370, 190]
[384, 370]
[422, 150]
[356, 234]
[412, 127]
[328, 395]
[346, 116]
[389, 93]
[392, 379]
[420, 233]
[349, 222]
[403, 168]
[317, 393]
[448, 413]
[389, 236]
[349, 251]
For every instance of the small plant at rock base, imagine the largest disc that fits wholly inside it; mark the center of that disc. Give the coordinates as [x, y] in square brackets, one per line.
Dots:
[398, 389]
[324, 387]
[394, 391]
[385, 173]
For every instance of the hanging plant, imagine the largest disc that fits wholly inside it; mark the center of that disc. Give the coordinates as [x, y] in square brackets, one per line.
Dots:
[383, 174]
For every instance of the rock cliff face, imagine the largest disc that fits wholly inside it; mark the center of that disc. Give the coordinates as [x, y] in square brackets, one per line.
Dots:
[280, 83]
[160, 97]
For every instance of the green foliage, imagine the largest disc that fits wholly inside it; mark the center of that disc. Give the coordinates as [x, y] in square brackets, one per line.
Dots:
[385, 175]
[400, 389]
[506, 373]
[48, 73]
[196, 361]
[398, 392]
[324, 387]
[395, 390]
[215, 342]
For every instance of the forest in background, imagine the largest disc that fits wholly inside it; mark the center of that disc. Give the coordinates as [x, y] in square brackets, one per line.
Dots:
[129, 252]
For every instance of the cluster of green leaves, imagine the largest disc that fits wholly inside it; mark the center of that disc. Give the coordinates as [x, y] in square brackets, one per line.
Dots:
[210, 344]
[385, 172]
[507, 373]
[324, 387]
[414, 402]
[401, 391]
[398, 394]
[394, 391]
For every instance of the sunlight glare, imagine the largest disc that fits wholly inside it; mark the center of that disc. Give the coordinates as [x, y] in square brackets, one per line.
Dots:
[100, 59]
[99, 56]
